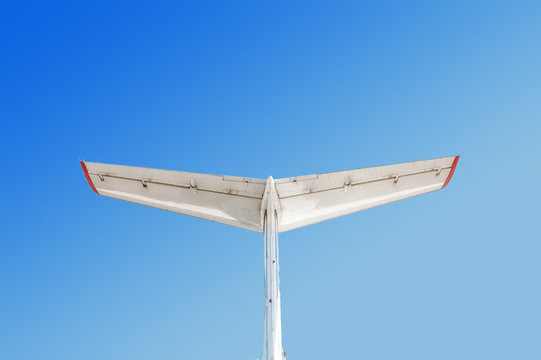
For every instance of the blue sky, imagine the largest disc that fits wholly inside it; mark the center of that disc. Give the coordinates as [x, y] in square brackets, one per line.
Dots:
[275, 89]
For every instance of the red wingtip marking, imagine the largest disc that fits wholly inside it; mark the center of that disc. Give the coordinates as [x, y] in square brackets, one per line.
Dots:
[85, 170]
[451, 172]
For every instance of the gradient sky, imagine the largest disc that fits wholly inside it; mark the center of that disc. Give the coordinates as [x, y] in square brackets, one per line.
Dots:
[280, 89]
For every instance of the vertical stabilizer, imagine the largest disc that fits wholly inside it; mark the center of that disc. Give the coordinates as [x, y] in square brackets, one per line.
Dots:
[273, 319]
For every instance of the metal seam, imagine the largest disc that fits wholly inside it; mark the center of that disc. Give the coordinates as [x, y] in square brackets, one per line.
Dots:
[390, 177]
[182, 186]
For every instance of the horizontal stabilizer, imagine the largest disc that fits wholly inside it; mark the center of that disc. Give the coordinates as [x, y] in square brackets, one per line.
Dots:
[306, 200]
[241, 202]
[225, 199]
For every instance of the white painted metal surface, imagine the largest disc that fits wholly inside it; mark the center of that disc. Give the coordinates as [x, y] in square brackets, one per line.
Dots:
[225, 199]
[306, 200]
[270, 206]
[272, 349]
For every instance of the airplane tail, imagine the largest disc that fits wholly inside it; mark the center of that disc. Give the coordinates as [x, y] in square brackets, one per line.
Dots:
[270, 206]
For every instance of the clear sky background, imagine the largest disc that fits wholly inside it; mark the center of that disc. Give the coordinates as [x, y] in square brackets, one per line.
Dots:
[280, 89]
